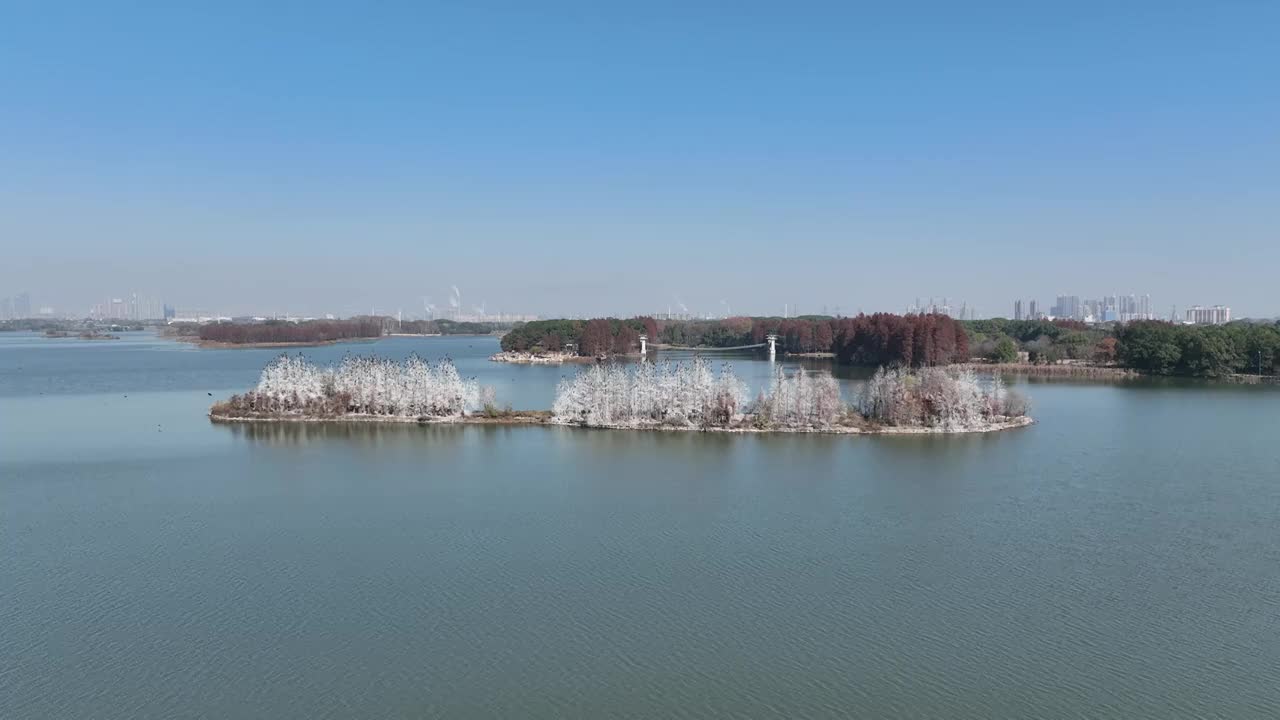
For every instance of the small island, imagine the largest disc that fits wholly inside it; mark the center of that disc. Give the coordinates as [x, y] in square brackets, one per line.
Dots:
[85, 335]
[275, 333]
[640, 396]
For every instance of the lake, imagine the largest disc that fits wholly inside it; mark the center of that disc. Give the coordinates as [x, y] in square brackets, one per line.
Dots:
[1118, 559]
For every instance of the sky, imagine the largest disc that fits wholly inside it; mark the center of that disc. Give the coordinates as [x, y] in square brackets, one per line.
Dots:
[596, 158]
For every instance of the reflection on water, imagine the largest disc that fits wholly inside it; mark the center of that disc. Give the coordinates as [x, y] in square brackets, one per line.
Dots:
[599, 442]
[356, 433]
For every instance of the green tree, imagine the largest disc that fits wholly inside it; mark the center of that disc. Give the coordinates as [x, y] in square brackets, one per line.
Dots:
[1209, 352]
[1149, 345]
[1006, 351]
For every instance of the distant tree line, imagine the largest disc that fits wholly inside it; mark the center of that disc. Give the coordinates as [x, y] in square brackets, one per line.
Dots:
[284, 331]
[1149, 346]
[446, 327]
[872, 340]
[71, 326]
[589, 338]
[1163, 348]
[1044, 341]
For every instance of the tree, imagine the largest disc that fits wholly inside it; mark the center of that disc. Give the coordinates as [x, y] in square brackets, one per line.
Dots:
[1006, 351]
[597, 338]
[1042, 351]
[626, 340]
[823, 338]
[1209, 353]
[1149, 345]
[1104, 353]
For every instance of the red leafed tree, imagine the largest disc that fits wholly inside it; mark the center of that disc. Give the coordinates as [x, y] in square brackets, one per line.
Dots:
[650, 327]
[597, 338]
[822, 337]
[905, 340]
[626, 339]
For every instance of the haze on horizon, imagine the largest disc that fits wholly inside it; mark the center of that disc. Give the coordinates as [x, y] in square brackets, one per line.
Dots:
[567, 158]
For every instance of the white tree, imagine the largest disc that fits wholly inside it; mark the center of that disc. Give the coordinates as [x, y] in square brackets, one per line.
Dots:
[366, 386]
[682, 394]
[948, 398]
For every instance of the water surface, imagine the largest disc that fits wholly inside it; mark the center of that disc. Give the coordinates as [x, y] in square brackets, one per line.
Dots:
[1117, 559]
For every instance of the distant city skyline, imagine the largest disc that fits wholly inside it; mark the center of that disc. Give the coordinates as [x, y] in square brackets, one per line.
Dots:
[136, 306]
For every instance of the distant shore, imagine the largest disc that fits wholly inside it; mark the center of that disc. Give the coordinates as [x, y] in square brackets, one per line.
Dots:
[217, 345]
[220, 345]
[1107, 372]
[87, 335]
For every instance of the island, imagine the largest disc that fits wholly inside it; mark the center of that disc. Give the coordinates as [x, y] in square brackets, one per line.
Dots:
[85, 335]
[276, 333]
[637, 396]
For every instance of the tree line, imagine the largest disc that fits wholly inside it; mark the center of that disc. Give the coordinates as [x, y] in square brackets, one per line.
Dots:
[692, 395]
[1163, 348]
[1044, 341]
[1150, 346]
[588, 338]
[446, 327]
[283, 331]
[871, 340]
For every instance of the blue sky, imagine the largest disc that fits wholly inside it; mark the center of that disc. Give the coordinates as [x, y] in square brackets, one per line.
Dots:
[593, 158]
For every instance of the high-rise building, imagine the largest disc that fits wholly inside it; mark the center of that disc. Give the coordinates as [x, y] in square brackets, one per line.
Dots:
[1068, 307]
[1033, 310]
[22, 306]
[1017, 310]
[1126, 308]
[1216, 315]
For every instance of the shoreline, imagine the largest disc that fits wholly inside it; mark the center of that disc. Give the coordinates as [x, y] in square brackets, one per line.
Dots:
[1104, 372]
[544, 418]
[1079, 371]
